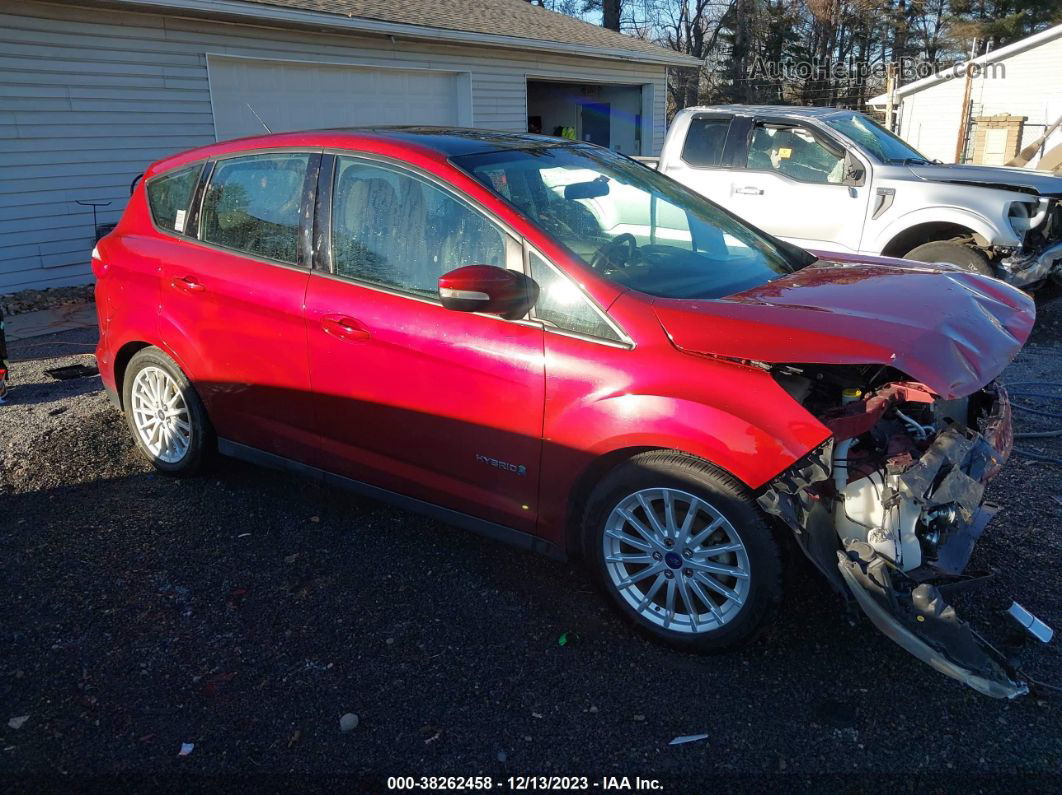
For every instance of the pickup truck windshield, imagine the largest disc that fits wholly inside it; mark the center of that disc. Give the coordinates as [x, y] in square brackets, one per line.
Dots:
[874, 139]
[635, 226]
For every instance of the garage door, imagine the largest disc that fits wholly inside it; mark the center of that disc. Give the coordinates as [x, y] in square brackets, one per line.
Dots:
[290, 95]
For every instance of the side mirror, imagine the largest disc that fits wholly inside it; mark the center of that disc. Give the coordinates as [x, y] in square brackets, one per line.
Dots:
[854, 173]
[486, 288]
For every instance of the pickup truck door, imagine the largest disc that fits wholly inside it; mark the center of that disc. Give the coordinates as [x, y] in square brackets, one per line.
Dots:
[706, 155]
[796, 184]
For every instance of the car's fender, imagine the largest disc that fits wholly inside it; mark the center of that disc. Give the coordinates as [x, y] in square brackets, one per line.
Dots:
[138, 338]
[994, 230]
[734, 416]
[751, 449]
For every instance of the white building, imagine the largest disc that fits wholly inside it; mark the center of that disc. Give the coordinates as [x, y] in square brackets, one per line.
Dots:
[91, 92]
[1015, 93]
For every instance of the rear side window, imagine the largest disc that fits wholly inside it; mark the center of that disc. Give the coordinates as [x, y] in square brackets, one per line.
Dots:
[704, 142]
[253, 204]
[169, 196]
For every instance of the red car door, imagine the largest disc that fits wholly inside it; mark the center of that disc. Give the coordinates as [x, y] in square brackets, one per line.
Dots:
[231, 307]
[436, 404]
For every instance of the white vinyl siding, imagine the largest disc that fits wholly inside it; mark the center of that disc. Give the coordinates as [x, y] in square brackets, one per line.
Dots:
[90, 96]
[1029, 86]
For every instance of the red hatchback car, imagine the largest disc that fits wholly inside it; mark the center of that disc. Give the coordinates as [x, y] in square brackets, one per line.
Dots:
[552, 344]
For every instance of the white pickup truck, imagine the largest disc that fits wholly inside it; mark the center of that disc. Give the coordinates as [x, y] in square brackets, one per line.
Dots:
[836, 180]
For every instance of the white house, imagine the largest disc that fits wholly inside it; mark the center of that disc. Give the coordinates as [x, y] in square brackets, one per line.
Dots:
[92, 92]
[1015, 94]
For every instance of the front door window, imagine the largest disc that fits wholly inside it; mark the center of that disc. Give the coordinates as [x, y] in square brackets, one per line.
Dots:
[795, 152]
[395, 230]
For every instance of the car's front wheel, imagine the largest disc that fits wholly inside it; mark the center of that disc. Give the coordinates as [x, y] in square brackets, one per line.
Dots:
[168, 421]
[953, 252]
[681, 549]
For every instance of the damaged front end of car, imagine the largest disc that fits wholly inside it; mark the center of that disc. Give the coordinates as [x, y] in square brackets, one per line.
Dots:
[890, 507]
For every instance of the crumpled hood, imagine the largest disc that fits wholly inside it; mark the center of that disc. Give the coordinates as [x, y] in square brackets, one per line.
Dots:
[953, 331]
[1042, 182]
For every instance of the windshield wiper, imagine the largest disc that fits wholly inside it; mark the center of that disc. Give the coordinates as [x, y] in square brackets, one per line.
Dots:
[909, 161]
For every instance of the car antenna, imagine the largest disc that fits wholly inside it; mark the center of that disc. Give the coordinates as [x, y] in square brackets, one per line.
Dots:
[248, 104]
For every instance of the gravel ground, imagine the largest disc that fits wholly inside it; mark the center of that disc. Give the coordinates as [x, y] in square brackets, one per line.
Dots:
[247, 611]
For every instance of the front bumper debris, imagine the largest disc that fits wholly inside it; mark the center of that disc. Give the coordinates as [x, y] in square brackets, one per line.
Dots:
[918, 619]
[795, 498]
[1030, 623]
[949, 476]
[906, 607]
[1031, 267]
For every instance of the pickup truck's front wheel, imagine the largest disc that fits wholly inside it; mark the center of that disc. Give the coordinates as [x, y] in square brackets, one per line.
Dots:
[954, 253]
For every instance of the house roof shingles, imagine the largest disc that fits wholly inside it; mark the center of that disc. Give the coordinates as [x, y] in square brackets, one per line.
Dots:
[516, 19]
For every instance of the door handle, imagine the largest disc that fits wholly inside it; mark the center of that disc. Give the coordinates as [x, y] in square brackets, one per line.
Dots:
[187, 284]
[344, 328]
[749, 190]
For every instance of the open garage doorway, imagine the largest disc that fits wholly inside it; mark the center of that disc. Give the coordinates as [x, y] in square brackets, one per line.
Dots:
[601, 113]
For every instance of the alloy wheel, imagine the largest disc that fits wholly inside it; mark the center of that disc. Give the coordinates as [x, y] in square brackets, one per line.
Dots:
[160, 415]
[676, 560]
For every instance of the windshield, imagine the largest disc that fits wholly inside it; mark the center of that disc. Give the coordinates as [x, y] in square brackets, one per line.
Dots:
[633, 225]
[874, 138]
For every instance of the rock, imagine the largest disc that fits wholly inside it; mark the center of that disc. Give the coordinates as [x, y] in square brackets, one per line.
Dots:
[16, 723]
[502, 756]
[348, 722]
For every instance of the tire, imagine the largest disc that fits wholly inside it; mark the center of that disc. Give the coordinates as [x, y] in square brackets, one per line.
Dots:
[955, 253]
[742, 539]
[179, 440]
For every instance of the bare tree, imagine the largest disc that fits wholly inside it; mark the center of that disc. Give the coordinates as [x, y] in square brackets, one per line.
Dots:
[841, 46]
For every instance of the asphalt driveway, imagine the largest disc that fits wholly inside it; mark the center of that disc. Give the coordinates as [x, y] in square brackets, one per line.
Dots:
[246, 611]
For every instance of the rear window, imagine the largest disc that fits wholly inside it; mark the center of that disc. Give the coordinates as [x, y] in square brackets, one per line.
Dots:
[704, 142]
[169, 197]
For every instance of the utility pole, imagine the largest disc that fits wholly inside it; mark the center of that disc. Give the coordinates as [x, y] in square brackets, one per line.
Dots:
[890, 94]
[964, 120]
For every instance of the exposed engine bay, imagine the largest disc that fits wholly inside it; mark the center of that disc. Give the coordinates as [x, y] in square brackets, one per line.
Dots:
[891, 506]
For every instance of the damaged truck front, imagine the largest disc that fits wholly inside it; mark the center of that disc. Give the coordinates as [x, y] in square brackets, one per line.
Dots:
[900, 365]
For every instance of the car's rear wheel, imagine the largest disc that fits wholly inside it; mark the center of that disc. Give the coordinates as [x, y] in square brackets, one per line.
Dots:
[681, 549]
[953, 252]
[168, 421]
